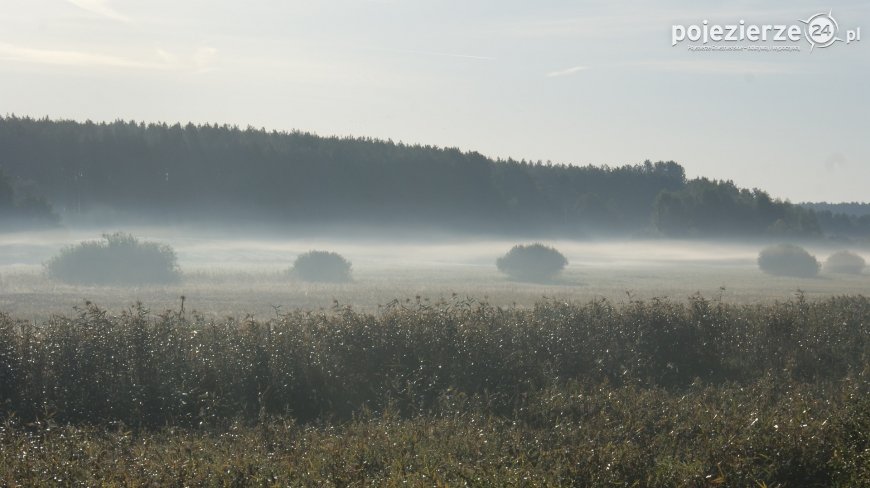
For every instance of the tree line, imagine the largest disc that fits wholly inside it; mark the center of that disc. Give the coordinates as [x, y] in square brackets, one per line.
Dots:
[209, 172]
[20, 209]
[843, 219]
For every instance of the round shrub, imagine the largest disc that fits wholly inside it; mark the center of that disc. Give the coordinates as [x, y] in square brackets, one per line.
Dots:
[788, 260]
[533, 262]
[321, 266]
[116, 260]
[845, 262]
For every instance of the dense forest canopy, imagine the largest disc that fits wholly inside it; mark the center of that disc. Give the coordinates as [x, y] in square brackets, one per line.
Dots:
[180, 173]
[843, 219]
[21, 210]
[853, 209]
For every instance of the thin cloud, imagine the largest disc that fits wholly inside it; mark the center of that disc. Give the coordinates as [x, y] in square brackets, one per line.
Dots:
[566, 72]
[204, 59]
[436, 53]
[201, 60]
[12, 52]
[456, 55]
[630, 20]
[722, 67]
[167, 57]
[101, 8]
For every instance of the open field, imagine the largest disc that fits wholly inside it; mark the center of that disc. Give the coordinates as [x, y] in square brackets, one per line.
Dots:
[657, 363]
[220, 293]
[238, 277]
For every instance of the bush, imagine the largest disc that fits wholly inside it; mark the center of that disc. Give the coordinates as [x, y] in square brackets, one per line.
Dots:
[118, 259]
[534, 262]
[788, 260]
[845, 262]
[322, 266]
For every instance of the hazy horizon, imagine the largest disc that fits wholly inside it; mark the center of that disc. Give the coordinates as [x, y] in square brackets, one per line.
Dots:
[580, 83]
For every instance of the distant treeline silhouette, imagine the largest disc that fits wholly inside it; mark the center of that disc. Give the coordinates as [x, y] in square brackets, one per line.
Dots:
[843, 219]
[220, 172]
[21, 209]
[853, 209]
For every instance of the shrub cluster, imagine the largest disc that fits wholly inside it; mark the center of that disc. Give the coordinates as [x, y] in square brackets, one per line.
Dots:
[321, 266]
[119, 259]
[788, 260]
[845, 262]
[533, 262]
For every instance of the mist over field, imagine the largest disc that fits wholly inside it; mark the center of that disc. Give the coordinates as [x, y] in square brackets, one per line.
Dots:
[168, 277]
[246, 272]
[351, 243]
[217, 249]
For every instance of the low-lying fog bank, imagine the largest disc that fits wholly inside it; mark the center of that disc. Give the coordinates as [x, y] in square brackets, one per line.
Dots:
[242, 274]
[201, 250]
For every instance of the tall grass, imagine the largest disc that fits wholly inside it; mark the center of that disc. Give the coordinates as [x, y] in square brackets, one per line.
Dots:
[150, 370]
[763, 433]
[657, 393]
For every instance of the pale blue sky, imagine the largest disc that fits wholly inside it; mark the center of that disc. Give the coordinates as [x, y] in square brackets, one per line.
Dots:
[582, 82]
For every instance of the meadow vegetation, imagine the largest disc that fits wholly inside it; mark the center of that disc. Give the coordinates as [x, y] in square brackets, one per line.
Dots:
[660, 393]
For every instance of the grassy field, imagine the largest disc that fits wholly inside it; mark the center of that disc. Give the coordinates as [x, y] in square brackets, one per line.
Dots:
[26, 293]
[753, 435]
[642, 364]
[695, 392]
[237, 277]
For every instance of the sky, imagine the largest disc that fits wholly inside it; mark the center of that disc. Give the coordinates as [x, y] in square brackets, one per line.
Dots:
[575, 82]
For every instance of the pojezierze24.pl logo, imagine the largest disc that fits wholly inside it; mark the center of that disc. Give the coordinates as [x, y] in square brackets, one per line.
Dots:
[820, 31]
